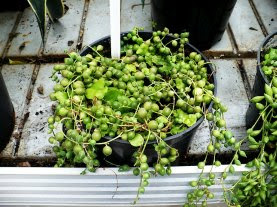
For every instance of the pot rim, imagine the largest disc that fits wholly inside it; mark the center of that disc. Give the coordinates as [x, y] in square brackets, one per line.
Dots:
[198, 122]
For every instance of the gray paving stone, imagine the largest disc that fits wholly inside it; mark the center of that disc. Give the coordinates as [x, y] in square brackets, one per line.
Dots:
[9, 150]
[245, 27]
[97, 22]
[250, 66]
[17, 79]
[7, 21]
[231, 91]
[34, 140]
[27, 41]
[132, 15]
[64, 33]
[98, 16]
[200, 139]
[239, 133]
[268, 12]
[223, 45]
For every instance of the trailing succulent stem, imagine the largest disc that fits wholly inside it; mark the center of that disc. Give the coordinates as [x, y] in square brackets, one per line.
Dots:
[257, 187]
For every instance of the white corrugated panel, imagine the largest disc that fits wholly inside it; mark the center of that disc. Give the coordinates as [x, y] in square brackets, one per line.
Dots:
[107, 187]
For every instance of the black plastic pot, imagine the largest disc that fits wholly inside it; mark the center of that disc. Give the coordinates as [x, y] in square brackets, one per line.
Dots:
[259, 83]
[6, 115]
[14, 5]
[204, 20]
[122, 150]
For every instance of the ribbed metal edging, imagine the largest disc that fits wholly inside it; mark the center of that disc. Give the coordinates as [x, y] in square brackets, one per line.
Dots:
[44, 186]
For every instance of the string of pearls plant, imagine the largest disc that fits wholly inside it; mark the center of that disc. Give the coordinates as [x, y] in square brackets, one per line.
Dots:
[157, 89]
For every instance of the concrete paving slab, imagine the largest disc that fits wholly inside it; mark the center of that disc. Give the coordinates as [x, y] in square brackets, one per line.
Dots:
[250, 66]
[200, 139]
[17, 79]
[97, 22]
[27, 40]
[64, 33]
[9, 150]
[34, 139]
[239, 133]
[267, 10]
[224, 45]
[132, 15]
[231, 91]
[245, 27]
[7, 22]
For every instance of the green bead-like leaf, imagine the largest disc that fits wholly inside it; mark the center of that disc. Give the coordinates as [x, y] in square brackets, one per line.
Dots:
[268, 90]
[231, 169]
[252, 140]
[190, 120]
[249, 164]
[61, 96]
[260, 106]
[274, 81]
[263, 195]
[268, 98]
[255, 133]
[249, 187]
[237, 162]
[55, 9]
[242, 153]
[274, 133]
[177, 129]
[97, 90]
[179, 83]
[137, 141]
[124, 168]
[143, 49]
[257, 99]
[187, 119]
[253, 146]
[131, 68]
